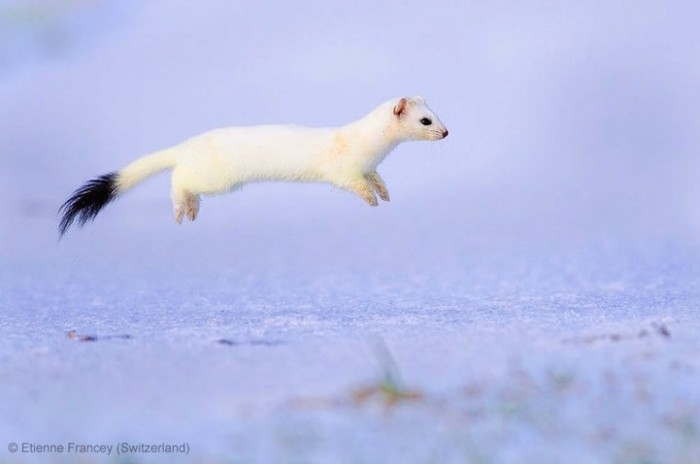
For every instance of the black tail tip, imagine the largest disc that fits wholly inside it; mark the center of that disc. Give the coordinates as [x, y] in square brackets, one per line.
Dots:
[86, 202]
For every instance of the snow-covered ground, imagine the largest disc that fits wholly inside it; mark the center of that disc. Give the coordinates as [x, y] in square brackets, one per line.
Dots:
[530, 295]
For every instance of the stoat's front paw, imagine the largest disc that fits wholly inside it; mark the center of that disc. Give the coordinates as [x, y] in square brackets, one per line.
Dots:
[371, 199]
[362, 187]
[383, 193]
[377, 184]
[365, 192]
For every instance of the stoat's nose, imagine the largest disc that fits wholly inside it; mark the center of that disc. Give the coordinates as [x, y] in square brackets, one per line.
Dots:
[445, 133]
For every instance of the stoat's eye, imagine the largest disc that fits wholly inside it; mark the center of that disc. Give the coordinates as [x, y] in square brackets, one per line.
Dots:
[426, 121]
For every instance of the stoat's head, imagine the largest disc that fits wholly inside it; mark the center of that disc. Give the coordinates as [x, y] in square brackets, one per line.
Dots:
[416, 121]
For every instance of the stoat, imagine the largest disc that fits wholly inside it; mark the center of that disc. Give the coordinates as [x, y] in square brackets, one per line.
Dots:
[223, 160]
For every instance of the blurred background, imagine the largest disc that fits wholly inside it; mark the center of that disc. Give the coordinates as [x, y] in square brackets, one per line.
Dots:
[565, 204]
[566, 118]
[569, 122]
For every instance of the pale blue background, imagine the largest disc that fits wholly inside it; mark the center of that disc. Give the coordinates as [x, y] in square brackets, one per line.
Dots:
[562, 210]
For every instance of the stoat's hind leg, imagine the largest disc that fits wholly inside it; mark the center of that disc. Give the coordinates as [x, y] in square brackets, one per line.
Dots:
[192, 206]
[185, 203]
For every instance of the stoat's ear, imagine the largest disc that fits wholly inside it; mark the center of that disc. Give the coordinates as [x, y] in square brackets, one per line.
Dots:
[401, 107]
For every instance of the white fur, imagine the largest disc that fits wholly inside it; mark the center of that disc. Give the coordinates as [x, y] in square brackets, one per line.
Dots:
[222, 160]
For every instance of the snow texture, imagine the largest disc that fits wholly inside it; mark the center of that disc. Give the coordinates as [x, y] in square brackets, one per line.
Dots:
[530, 294]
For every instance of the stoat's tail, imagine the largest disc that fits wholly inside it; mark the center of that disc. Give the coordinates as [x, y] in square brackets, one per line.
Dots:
[86, 202]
